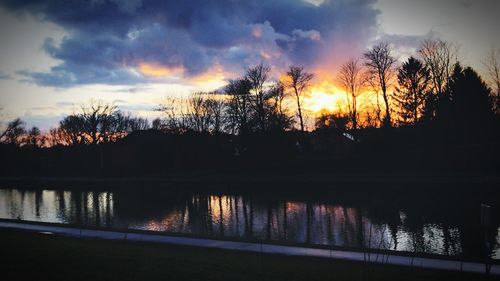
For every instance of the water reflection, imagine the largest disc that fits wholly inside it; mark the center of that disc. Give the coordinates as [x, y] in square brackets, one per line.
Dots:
[250, 217]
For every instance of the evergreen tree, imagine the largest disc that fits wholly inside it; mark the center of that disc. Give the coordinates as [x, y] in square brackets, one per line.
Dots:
[470, 99]
[410, 95]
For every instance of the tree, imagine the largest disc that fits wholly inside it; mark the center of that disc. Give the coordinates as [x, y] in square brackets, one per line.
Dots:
[34, 137]
[327, 120]
[471, 105]
[298, 80]
[257, 76]
[99, 121]
[380, 65]
[239, 105]
[492, 64]
[96, 123]
[71, 130]
[198, 116]
[439, 58]
[14, 132]
[216, 107]
[174, 118]
[410, 95]
[279, 119]
[137, 124]
[352, 81]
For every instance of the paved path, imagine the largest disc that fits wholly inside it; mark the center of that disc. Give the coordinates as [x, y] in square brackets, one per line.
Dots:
[257, 247]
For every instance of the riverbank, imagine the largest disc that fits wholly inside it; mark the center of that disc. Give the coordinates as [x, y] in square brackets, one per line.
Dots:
[35, 256]
[229, 182]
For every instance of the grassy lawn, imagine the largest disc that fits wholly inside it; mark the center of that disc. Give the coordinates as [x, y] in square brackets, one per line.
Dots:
[32, 256]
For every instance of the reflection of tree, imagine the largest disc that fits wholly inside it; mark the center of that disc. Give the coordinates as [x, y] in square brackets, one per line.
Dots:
[38, 202]
[285, 223]
[450, 229]
[221, 217]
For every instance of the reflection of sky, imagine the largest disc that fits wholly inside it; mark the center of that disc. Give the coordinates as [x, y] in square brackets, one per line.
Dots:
[496, 251]
[237, 217]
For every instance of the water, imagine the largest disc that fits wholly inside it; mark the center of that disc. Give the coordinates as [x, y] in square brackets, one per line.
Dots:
[395, 222]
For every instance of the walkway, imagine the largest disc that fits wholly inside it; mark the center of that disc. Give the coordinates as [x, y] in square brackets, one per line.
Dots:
[257, 247]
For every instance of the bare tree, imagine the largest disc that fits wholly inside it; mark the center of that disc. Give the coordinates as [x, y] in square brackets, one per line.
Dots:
[198, 116]
[298, 80]
[70, 131]
[439, 57]
[257, 76]
[239, 105]
[492, 64]
[99, 120]
[58, 136]
[381, 64]
[277, 96]
[174, 121]
[216, 107]
[352, 81]
[279, 119]
[137, 124]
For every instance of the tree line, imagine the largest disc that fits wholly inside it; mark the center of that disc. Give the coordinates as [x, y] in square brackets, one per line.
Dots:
[430, 87]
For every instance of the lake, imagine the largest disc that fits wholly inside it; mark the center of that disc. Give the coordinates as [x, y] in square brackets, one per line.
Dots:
[430, 221]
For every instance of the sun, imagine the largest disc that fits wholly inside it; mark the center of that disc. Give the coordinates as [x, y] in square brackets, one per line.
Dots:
[323, 96]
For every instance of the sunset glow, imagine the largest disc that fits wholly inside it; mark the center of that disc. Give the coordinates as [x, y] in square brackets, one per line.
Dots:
[324, 95]
[51, 60]
[157, 70]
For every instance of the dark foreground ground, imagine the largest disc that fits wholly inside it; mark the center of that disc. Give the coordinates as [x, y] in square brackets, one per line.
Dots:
[33, 256]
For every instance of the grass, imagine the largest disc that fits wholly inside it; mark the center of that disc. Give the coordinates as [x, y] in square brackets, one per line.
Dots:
[33, 256]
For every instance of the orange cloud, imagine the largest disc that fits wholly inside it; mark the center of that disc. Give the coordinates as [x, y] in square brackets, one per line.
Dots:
[155, 70]
[257, 31]
[212, 79]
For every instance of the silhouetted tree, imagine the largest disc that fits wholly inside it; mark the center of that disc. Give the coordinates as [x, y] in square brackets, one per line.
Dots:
[470, 99]
[327, 120]
[174, 121]
[198, 116]
[156, 124]
[137, 124]
[257, 76]
[34, 137]
[100, 121]
[492, 64]
[239, 105]
[413, 78]
[353, 83]
[439, 58]
[71, 130]
[14, 132]
[298, 80]
[216, 107]
[279, 119]
[380, 65]
[96, 123]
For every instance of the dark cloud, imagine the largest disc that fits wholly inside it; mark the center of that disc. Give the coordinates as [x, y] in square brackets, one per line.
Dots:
[109, 39]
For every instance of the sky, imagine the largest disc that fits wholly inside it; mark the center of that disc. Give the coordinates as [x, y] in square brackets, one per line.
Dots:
[58, 54]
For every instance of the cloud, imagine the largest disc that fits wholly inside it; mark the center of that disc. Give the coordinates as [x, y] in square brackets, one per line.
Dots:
[120, 42]
[4, 76]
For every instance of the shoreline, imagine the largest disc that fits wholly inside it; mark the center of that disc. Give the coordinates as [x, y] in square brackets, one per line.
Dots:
[282, 182]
